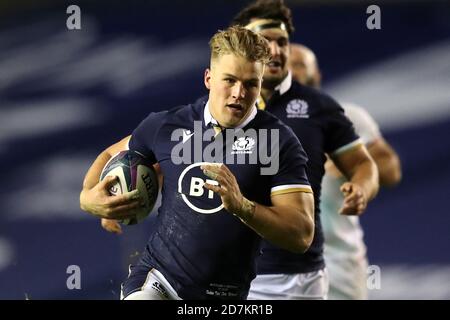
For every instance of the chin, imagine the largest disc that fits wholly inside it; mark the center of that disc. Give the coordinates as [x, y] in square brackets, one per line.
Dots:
[272, 80]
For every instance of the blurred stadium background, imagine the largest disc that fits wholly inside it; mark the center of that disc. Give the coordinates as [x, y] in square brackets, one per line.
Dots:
[66, 95]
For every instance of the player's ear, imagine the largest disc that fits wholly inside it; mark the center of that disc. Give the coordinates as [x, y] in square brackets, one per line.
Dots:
[207, 79]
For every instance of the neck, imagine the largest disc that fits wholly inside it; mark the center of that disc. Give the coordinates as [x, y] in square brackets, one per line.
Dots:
[266, 93]
[268, 87]
[244, 118]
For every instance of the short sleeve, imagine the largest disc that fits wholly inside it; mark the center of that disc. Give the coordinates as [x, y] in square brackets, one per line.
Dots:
[339, 130]
[144, 137]
[365, 125]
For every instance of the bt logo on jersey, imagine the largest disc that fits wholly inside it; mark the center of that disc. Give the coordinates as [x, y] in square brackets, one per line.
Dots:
[197, 190]
[191, 187]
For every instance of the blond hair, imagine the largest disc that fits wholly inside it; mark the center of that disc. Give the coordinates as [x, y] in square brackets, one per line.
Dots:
[241, 42]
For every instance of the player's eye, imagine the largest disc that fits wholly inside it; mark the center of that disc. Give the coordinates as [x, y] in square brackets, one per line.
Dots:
[230, 80]
[282, 42]
[251, 84]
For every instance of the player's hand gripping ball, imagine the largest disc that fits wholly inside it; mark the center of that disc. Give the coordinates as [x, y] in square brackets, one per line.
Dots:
[133, 172]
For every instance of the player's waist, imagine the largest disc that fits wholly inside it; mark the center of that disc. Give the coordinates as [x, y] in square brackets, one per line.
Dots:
[208, 280]
[210, 287]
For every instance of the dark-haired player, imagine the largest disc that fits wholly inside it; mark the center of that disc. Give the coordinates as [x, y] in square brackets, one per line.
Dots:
[320, 124]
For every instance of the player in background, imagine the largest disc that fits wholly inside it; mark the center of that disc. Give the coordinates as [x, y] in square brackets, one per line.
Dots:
[209, 227]
[320, 124]
[344, 250]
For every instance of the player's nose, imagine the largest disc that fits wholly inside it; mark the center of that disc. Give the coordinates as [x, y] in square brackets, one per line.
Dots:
[238, 91]
[274, 48]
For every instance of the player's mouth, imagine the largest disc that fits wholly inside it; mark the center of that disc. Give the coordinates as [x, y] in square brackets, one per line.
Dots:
[235, 106]
[274, 66]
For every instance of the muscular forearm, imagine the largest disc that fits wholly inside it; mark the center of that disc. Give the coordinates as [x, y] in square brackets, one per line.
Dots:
[93, 174]
[387, 161]
[289, 227]
[92, 177]
[366, 175]
[389, 170]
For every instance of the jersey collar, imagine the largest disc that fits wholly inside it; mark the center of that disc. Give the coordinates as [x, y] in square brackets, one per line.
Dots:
[285, 85]
[279, 90]
[207, 116]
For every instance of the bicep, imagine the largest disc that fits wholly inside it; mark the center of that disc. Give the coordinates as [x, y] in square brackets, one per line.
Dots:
[300, 200]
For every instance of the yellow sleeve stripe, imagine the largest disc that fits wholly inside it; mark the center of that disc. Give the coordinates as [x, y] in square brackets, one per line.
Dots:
[306, 189]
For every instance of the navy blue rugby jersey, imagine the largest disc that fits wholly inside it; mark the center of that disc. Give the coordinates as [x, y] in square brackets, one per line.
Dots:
[200, 248]
[320, 124]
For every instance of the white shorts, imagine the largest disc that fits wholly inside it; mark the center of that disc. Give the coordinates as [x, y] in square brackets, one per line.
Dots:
[300, 286]
[348, 279]
[155, 287]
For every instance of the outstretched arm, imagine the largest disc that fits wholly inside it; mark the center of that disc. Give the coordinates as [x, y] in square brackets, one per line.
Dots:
[387, 161]
[288, 223]
[360, 169]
